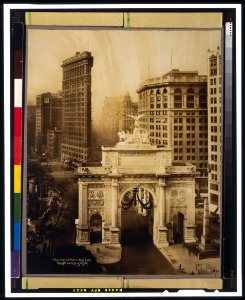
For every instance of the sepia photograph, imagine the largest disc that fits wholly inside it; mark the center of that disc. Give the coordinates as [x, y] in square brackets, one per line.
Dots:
[123, 152]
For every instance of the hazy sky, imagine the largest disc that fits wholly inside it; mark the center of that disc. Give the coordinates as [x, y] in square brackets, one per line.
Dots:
[122, 58]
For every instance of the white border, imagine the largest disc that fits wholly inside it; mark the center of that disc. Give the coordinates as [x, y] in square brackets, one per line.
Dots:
[7, 8]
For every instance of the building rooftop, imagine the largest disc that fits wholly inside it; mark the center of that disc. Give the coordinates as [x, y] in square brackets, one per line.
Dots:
[174, 75]
[76, 57]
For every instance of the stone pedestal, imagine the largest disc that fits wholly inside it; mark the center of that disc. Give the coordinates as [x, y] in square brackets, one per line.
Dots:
[162, 240]
[106, 235]
[115, 237]
[206, 243]
[170, 233]
[190, 233]
[82, 235]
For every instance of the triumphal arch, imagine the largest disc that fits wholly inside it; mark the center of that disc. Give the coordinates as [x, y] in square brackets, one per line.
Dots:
[147, 171]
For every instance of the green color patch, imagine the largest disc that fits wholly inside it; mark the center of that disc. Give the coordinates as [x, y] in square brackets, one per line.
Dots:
[28, 18]
[128, 19]
[17, 207]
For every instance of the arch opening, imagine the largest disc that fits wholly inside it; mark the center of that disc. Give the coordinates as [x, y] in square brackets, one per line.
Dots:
[137, 221]
[178, 227]
[95, 228]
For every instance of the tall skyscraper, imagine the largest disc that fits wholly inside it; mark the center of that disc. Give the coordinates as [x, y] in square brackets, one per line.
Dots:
[54, 143]
[175, 108]
[214, 129]
[31, 128]
[110, 121]
[116, 111]
[127, 107]
[76, 112]
[48, 116]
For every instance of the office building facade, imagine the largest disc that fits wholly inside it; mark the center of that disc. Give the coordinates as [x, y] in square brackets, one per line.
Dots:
[48, 116]
[127, 108]
[175, 115]
[214, 130]
[54, 143]
[110, 120]
[76, 111]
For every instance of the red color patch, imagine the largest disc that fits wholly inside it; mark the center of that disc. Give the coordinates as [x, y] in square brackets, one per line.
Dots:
[17, 121]
[17, 150]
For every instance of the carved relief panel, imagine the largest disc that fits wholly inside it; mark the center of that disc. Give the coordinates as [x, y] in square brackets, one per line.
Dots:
[96, 201]
[178, 201]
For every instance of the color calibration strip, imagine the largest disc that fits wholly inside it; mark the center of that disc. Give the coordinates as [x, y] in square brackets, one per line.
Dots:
[17, 154]
[228, 197]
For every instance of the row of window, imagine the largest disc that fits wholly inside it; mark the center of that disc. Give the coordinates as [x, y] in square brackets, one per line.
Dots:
[158, 120]
[180, 128]
[193, 135]
[158, 113]
[159, 134]
[213, 167]
[159, 127]
[189, 150]
[214, 110]
[213, 100]
[198, 113]
[180, 143]
[214, 157]
[190, 120]
[74, 86]
[214, 187]
[75, 72]
[191, 157]
[203, 165]
[214, 128]
[214, 176]
[159, 142]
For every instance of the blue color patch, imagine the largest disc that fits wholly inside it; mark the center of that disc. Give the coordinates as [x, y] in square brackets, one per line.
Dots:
[16, 236]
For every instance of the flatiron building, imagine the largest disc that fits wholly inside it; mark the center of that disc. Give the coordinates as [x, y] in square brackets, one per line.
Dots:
[76, 110]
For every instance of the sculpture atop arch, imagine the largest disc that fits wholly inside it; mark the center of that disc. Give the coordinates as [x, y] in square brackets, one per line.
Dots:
[139, 136]
[135, 163]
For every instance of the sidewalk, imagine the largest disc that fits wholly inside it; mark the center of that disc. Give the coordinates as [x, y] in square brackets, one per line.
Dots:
[178, 255]
[105, 254]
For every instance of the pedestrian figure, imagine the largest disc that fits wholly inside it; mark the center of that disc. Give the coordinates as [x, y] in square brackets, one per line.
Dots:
[180, 267]
[192, 273]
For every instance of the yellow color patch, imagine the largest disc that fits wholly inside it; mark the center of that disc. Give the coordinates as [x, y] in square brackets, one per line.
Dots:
[17, 178]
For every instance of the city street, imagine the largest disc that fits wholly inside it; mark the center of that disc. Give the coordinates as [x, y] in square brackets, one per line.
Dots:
[139, 255]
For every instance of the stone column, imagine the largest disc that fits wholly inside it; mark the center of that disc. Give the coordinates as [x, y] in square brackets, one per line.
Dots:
[83, 203]
[190, 227]
[162, 229]
[162, 204]
[114, 196]
[115, 232]
[82, 226]
[107, 199]
[206, 218]
[205, 238]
